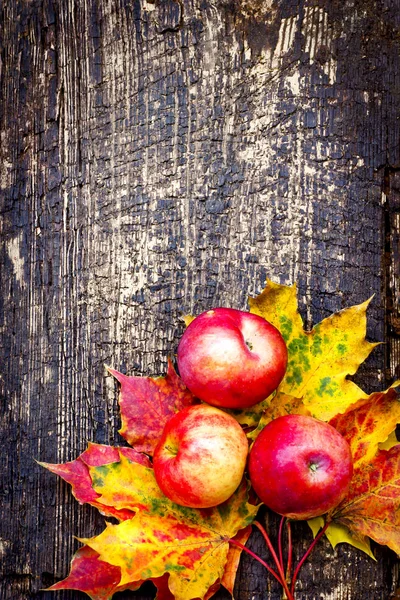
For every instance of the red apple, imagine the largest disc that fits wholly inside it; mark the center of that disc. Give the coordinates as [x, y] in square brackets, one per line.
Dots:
[201, 456]
[300, 467]
[231, 358]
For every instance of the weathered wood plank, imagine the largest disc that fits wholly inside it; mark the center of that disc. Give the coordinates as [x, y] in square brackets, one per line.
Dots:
[162, 158]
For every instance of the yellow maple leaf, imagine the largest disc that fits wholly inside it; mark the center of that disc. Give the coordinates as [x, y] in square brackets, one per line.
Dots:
[187, 319]
[390, 442]
[192, 545]
[319, 360]
[282, 404]
[339, 534]
[149, 546]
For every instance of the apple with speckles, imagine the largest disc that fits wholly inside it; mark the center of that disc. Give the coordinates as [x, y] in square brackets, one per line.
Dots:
[231, 358]
[201, 456]
[300, 467]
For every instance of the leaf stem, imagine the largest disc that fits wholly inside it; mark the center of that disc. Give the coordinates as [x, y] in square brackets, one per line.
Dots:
[280, 542]
[280, 576]
[254, 555]
[276, 560]
[307, 554]
[290, 549]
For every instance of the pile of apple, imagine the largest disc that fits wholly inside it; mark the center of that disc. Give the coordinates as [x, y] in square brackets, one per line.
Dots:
[298, 466]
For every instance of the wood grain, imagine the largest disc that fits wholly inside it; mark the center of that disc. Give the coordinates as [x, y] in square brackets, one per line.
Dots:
[159, 159]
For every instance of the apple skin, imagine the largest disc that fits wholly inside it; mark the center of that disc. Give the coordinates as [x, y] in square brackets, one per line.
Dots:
[231, 358]
[300, 467]
[201, 456]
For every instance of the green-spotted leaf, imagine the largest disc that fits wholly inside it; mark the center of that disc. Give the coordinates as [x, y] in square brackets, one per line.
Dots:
[319, 360]
[189, 544]
[250, 417]
[281, 405]
[129, 485]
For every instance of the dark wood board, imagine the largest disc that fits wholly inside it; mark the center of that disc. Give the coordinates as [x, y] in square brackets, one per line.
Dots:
[163, 158]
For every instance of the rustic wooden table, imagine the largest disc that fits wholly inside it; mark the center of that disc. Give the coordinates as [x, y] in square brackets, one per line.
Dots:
[162, 158]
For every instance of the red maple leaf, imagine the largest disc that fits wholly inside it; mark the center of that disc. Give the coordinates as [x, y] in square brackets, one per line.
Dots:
[147, 403]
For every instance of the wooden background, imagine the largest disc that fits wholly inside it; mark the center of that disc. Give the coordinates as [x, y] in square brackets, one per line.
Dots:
[162, 158]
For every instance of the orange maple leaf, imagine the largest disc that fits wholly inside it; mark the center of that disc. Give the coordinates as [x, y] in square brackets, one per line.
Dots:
[372, 505]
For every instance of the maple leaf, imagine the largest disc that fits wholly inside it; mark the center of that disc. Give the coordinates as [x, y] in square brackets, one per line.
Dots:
[98, 579]
[319, 360]
[147, 403]
[77, 474]
[250, 416]
[339, 534]
[282, 405]
[232, 564]
[369, 423]
[192, 545]
[124, 484]
[390, 441]
[233, 559]
[187, 319]
[372, 505]
[127, 485]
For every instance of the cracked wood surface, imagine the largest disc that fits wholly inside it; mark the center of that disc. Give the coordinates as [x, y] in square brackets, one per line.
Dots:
[161, 158]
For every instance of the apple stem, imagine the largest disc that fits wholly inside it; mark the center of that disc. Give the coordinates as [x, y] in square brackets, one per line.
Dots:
[276, 560]
[307, 554]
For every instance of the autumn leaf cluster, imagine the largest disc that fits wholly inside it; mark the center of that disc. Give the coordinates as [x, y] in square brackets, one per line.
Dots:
[187, 552]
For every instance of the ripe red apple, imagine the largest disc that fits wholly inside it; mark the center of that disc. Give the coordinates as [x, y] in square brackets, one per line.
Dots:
[231, 358]
[201, 456]
[300, 467]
